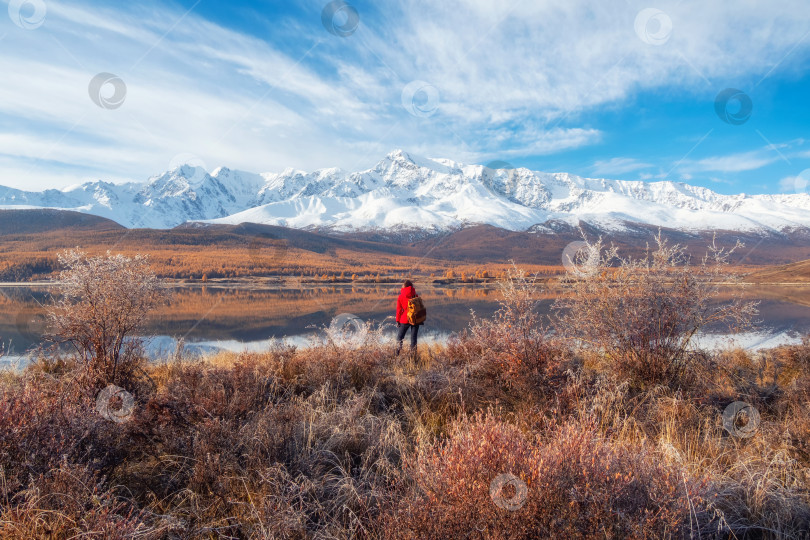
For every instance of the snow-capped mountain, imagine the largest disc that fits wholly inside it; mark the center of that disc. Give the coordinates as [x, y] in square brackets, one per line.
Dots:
[406, 191]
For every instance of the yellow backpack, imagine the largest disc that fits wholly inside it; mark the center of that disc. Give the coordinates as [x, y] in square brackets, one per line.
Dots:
[416, 311]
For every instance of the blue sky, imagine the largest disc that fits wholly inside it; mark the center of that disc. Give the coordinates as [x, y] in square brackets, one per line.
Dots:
[617, 89]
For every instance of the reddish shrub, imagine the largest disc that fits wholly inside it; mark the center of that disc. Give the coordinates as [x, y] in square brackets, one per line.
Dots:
[513, 346]
[71, 502]
[644, 314]
[576, 486]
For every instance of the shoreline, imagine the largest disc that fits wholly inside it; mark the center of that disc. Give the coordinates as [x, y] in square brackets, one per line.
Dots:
[283, 281]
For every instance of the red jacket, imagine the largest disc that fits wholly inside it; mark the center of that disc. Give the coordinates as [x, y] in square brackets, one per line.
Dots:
[402, 303]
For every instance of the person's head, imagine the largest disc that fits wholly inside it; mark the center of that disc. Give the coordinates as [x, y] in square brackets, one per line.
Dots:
[407, 283]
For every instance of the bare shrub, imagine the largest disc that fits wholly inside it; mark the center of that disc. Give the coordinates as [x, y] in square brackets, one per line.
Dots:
[103, 304]
[332, 442]
[36, 429]
[512, 346]
[241, 448]
[574, 486]
[71, 502]
[644, 314]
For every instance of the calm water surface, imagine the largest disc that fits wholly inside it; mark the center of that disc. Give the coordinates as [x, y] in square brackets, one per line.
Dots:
[239, 318]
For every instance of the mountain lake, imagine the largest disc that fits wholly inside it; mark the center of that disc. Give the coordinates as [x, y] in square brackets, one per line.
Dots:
[210, 318]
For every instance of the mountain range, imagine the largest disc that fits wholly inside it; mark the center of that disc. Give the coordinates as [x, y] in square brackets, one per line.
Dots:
[406, 192]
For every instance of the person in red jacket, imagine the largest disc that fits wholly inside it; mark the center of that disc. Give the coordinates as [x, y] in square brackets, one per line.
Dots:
[406, 293]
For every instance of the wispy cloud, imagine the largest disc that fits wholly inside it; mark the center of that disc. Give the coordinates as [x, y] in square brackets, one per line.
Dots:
[798, 183]
[789, 184]
[512, 80]
[618, 165]
[745, 161]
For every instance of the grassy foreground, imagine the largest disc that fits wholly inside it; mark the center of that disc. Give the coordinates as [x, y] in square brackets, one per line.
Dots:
[337, 442]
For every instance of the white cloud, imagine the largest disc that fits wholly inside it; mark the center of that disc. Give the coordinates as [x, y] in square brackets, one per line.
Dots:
[799, 183]
[793, 184]
[745, 161]
[513, 79]
[558, 57]
[618, 166]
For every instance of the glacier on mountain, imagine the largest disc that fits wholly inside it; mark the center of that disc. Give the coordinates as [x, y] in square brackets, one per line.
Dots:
[406, 191]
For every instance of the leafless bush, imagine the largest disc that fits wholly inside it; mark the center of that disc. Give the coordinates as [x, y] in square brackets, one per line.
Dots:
[328, 442]
[512, 346]
[644, 314]
[71, 502]
[349, 333]
[103, 304]
[574, 485]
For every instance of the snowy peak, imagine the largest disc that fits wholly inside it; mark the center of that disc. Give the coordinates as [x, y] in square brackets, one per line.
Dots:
[405, 190]
[183, 179]
[520, 186]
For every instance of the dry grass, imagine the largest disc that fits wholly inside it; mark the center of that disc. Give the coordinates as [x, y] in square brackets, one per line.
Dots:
[503, 433]
[643, 314]
[332, 442]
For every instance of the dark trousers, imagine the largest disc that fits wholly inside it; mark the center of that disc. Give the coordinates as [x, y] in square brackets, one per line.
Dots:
[402, 328]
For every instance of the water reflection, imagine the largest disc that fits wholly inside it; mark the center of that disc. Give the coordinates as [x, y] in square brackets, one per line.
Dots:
[213, 317]
[243, 314]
